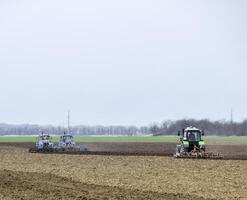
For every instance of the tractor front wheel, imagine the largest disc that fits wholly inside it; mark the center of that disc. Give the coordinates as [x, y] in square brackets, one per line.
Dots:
[178, 149]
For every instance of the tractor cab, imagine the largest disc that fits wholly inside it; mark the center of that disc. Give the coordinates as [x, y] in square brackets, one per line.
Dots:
[44, 137]
[192, 135]
[66, 140]
[191, 138]
[44, 142]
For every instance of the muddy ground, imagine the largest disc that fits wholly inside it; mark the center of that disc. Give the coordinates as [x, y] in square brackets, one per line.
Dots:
[231, 150]
[81, 177]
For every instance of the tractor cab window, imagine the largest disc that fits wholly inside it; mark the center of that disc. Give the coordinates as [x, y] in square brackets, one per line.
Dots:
[44, 137]
[185, 136]
[194, 136]
[67, 137]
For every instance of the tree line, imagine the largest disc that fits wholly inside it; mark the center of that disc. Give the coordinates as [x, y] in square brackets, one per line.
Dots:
[223, 127]
[27, 129]
[165, 128]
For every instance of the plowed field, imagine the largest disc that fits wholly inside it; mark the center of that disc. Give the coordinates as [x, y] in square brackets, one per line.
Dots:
[49, 176]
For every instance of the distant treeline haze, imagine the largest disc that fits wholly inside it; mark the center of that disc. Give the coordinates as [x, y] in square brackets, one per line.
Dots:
[210, 127]
[26, 129]
[165, 128]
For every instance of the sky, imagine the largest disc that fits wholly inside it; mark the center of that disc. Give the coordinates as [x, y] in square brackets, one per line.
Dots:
[122, 62]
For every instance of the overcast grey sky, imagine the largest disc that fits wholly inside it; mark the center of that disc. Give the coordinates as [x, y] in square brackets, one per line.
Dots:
[122, 62]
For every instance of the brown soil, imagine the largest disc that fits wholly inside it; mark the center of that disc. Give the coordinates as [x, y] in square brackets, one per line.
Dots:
[230, 151]
[27, 185]
[51, 176]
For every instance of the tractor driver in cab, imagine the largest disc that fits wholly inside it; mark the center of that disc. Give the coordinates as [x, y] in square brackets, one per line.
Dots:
[192, 136]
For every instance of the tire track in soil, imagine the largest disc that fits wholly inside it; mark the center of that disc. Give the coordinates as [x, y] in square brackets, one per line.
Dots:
[29, 186]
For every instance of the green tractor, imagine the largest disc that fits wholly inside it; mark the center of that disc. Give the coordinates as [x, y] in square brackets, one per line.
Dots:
[192, 145]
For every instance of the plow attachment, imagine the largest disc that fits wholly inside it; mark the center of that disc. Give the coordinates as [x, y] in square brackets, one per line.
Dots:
[35, 150]
[199, 155]
[77, 150]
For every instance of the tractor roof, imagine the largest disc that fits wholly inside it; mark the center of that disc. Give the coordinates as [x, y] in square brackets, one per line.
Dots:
[44, 134]
[191, 128]
[67, 135]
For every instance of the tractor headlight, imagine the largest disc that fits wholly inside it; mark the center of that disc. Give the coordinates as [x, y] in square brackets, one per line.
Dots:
[186, 143]
[202, 144]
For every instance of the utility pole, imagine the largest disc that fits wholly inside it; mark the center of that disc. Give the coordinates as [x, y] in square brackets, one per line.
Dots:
[68, 122]
[231, 116]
